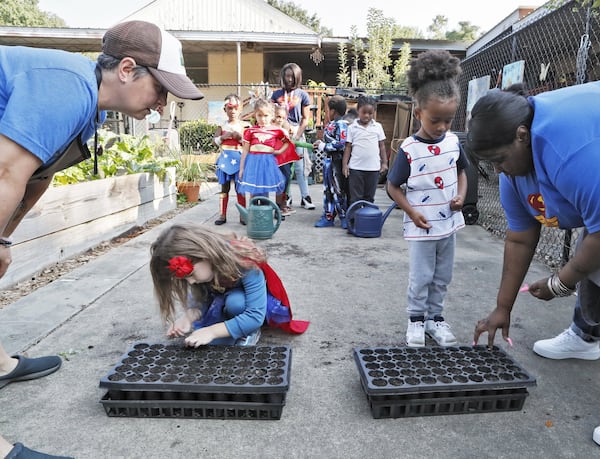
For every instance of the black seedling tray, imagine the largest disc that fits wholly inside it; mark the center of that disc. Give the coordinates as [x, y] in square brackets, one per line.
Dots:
[210, 382]
[172, 367]
[198, 409]
[404, 381]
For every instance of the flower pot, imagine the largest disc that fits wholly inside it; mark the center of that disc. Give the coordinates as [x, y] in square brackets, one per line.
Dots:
[191, 190]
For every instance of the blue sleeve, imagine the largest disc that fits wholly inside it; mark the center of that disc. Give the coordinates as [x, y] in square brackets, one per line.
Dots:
[255, 290]
[46, 110]
[305, 99]
[463, 162]
[277, 95]
[518, 214]
[400, 171]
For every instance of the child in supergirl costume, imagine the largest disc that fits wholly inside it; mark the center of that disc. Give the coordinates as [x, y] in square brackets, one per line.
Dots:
[259, 171]
[224, 283]
[229, 138]
[285, 159]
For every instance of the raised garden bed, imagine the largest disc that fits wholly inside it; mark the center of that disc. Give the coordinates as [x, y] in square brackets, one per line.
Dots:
[70, 219]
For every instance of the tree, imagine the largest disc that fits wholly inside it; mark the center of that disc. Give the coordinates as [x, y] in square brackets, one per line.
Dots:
[301, 15]
[26, 13]
[466, 32]
[399, 31]
[343, 76]
[375, 73]
[401, 68]
[437, 29]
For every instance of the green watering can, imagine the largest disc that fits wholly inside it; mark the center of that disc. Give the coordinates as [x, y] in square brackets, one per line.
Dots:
[262, 217]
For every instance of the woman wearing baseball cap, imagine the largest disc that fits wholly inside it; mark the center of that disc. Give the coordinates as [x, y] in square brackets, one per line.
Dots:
[51, 100]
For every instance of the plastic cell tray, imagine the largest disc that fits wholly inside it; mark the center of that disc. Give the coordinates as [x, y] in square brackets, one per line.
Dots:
[408, 382]
[210, 382]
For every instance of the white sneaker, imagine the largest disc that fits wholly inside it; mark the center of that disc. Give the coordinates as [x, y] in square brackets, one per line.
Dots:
[567, 345]
[440, 332]
[307, 203]
[415, 334]
[596, 436]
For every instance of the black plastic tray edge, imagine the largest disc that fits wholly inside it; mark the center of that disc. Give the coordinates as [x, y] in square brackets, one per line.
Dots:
[182, 387]
[441, 387]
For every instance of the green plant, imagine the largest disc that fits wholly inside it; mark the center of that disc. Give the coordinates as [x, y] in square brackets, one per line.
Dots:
[188, 169]
[198, 136]
[122, 155]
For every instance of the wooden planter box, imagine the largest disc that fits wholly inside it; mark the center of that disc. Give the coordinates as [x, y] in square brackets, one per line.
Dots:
[70, 219]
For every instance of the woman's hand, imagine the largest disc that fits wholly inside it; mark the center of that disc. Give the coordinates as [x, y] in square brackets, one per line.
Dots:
[540, 290]
[498, 318]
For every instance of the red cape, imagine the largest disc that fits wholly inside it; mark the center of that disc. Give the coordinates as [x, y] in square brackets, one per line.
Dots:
[276, 288]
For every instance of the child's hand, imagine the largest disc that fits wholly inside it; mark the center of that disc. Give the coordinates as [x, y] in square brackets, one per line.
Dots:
[457, 203]
[200, 337]
[180, 327]
[317, 144]
[419, 220]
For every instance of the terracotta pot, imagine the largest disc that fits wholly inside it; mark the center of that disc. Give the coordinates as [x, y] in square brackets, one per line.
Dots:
[190, 189]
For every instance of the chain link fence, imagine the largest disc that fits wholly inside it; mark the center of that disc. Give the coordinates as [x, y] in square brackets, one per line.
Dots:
[560, 46]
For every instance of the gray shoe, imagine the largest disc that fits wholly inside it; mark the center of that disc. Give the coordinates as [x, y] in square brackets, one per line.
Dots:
[440, 332]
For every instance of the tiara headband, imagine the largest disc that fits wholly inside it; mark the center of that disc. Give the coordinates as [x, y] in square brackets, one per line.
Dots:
[181, 267]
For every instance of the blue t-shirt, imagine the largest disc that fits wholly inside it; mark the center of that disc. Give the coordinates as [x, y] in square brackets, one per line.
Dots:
[564, 189]
[294, 101]
[47, 98]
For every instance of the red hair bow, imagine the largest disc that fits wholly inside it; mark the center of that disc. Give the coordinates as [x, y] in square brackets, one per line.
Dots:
[181, 266]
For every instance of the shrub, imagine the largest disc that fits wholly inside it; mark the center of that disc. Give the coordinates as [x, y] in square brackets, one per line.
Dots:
[197, 136]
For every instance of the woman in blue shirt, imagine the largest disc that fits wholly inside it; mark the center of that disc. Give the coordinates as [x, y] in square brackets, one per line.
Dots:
[547, 151]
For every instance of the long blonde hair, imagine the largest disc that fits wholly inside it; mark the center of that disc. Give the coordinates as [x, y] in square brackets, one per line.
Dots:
[228, 255]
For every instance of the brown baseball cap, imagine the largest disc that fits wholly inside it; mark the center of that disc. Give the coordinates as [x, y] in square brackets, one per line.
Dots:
[154, 48]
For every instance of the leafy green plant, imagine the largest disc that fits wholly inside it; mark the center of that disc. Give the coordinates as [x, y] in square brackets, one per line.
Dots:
[188, 169]
[122, 155]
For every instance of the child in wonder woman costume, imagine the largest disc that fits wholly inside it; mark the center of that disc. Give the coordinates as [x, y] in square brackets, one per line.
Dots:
[229, 138]
[227, 289]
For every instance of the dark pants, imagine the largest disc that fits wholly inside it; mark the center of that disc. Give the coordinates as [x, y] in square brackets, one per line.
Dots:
[362, 185]
[586, 317]
[286, 170]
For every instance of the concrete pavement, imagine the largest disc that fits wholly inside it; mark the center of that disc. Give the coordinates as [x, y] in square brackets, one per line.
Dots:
[353, 292]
